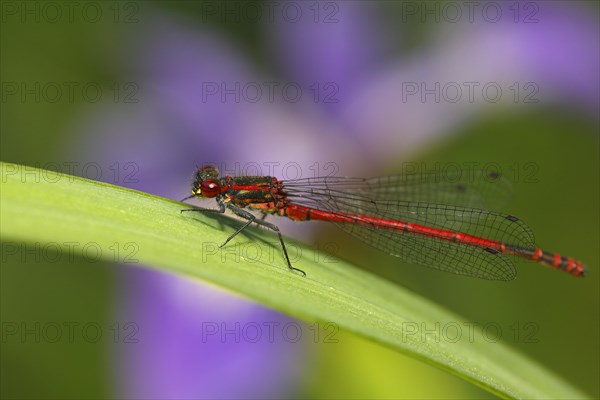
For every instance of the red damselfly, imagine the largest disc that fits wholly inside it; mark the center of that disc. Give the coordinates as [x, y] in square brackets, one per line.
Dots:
[423, 218]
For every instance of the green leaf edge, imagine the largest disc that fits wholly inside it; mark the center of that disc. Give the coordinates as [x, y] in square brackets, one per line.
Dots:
[40, 206]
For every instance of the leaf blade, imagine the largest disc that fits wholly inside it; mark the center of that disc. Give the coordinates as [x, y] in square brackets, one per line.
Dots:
[64, 209]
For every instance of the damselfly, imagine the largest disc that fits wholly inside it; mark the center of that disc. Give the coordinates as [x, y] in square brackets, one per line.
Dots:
[423, 218]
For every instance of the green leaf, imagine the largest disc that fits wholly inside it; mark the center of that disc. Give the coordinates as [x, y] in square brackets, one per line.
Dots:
[47, 207]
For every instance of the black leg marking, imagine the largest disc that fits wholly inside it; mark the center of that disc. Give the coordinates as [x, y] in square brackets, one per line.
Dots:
[252, 218]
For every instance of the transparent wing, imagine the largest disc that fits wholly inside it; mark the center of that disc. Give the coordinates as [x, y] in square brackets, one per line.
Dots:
[476, 189]
[372, 198]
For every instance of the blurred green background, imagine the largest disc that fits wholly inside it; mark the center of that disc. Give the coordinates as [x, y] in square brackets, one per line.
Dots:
[561, 206]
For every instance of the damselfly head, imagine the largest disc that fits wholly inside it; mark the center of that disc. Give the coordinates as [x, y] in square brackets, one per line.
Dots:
[205, 182]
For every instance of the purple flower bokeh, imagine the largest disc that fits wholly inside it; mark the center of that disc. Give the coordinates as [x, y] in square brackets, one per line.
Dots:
[199, 342]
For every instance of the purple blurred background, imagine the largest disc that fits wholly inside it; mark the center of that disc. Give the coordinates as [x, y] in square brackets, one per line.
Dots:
[202, 73]
[362, 117]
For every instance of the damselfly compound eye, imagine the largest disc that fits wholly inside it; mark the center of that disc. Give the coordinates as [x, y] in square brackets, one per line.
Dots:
[210, 188]
[207, 172]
